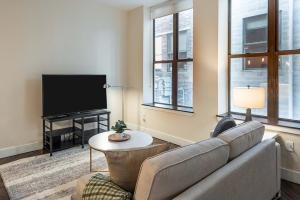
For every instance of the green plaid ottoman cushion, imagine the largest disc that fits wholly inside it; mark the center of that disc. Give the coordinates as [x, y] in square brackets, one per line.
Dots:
[101, 188]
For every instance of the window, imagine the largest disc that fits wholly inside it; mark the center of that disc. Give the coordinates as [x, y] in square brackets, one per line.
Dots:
[264, 51]
[255, 33]
[170, 46]
[163, 83]
[163, 38]
[173, 60]
[182, 44]
[289, 60]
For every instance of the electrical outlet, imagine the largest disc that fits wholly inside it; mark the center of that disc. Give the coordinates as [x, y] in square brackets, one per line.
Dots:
[144, 118]
[289, 145]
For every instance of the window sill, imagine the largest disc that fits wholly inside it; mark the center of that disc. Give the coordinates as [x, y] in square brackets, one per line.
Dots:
[281, 123]
[170, 108]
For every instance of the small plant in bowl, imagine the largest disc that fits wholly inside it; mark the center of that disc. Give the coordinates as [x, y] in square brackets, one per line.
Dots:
[119, 127]
[119, 135]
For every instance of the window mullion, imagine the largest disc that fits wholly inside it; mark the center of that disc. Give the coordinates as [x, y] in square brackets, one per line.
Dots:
[273, 64]
[248, 55]
[228, 59]
[175, 60]
[153, 61]
[287, 52]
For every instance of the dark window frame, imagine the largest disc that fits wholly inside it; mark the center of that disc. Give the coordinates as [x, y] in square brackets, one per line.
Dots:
[273, 54]
[174, 63]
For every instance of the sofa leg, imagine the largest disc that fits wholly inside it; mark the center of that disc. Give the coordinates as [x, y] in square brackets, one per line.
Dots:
[277, 196]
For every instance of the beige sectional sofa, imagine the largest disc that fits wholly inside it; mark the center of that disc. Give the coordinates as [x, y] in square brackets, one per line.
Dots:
[237, 165]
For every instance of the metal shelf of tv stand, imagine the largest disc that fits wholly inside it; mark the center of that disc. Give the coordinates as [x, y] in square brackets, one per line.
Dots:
[77, 118]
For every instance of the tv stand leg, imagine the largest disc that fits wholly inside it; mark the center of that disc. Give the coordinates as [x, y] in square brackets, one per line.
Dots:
[108, 121]
[73, 135]
[98, 123]
[51, 140]
[82, 132]
[44, 134]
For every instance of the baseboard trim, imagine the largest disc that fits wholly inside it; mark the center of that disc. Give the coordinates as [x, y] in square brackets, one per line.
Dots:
[15, 150]
[162, 135]
[290, 175]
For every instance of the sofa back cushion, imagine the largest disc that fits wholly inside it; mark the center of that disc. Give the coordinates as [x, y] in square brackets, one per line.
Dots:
[168, 174]
[243, 137]
[124, 166]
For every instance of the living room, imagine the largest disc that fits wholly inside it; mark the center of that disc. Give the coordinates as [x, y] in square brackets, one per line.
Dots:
[128, 88]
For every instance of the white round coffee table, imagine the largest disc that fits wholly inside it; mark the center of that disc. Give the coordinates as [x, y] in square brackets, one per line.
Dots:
[101, 143]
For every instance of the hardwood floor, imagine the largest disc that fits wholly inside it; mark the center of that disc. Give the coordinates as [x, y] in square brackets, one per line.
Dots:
[289, 191]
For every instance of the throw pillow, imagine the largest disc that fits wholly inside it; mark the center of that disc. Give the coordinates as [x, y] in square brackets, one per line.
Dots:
[101, 188]
[124, 166]
[224, 124]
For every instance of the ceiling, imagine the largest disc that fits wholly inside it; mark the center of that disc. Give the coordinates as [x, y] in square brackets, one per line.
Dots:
[130, 4]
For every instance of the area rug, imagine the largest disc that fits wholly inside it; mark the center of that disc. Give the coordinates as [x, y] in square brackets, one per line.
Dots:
[49, 178]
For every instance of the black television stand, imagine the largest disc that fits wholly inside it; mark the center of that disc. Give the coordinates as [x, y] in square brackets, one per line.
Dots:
[67, 137]
[57, 116]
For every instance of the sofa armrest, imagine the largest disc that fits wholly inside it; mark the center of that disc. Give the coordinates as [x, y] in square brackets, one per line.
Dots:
[278, 157]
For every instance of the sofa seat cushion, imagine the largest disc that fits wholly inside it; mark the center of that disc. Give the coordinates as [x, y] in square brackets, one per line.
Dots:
[168, 174]
[243, 137]
[100, 187]
[124, 166]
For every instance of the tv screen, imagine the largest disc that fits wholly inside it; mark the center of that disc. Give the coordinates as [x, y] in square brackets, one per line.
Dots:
[65, 94]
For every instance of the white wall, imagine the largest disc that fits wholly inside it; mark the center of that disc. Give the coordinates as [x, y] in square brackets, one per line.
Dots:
[53, 36]
[290, 161]
[223, 57]
[175, 124]
[134, 65]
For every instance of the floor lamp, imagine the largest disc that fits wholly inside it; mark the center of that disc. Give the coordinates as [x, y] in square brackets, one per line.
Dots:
[106, 86]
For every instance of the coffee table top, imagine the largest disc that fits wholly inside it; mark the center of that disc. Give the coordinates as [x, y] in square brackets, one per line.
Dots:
[138, 139]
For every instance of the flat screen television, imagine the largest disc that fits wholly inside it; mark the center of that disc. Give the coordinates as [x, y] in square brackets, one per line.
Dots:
[67, 94]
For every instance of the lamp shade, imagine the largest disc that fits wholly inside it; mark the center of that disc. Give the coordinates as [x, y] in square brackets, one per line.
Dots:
[249, 97]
